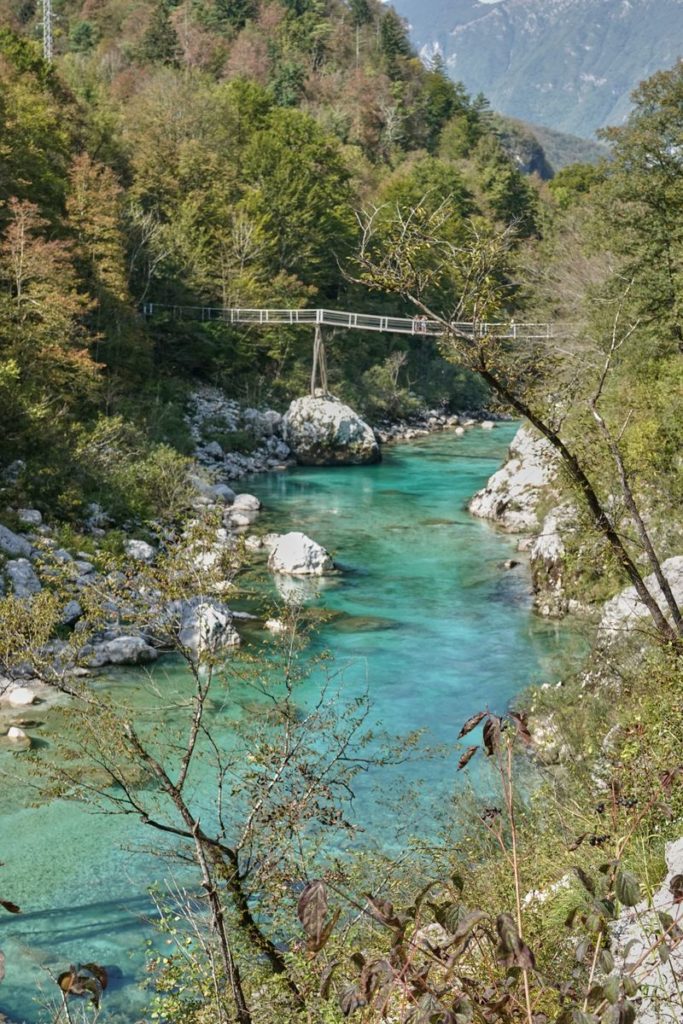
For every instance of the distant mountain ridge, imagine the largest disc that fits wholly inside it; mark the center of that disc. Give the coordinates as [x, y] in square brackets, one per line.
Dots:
[568, 64]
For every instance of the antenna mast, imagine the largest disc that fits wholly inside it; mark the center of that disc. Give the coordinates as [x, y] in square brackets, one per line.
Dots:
[47, 30]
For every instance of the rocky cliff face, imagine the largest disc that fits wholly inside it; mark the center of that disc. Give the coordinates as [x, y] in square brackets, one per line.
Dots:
[571, 64]
[513, 498]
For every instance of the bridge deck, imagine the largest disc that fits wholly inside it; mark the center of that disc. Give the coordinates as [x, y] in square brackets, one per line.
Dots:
[337, 318]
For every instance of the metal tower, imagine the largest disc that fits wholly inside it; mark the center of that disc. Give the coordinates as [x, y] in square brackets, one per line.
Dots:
[47, 30]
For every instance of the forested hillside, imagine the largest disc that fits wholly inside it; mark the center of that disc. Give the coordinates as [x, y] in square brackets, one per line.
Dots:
[211, 153]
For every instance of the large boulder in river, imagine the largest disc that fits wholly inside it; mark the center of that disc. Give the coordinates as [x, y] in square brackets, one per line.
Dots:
[322, 431]
[295, 554]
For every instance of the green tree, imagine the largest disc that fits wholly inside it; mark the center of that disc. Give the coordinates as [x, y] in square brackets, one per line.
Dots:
[641, 202]
[47, 373]
[299, 187]
[393, 42]
[160, 44]
[95, 212]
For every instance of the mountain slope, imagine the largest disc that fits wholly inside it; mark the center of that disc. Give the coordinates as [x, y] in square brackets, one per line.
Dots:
[570, 64]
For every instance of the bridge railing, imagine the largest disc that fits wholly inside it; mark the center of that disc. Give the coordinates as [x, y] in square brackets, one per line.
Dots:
[339, 318]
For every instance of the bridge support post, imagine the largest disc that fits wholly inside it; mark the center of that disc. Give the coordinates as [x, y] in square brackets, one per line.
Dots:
[319, 370]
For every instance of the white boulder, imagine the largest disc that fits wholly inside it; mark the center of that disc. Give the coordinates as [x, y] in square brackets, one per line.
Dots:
[20, 697]
[206, 627]
[15, 733]
[126, 650]
[246, 503]
[322, 431]
[295, 554]
[275, 626]
[512, 494]
[139, 550]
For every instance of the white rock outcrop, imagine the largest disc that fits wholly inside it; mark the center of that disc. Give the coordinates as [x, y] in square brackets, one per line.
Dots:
[322, 431]
[511, 495]
[547, 561]
[622, 611]
[295, 554]
[637, 947]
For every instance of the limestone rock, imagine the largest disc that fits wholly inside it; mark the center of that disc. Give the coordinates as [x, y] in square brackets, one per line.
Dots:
[206, 627]
[636, 948]
[123, 650]
[246, 503]
[139, 550]
[546, 558]
[511, 496]
[15, 733]
[275, 626]
[322, 431]
[72, 613]
[295, 554]
[23, 578]
[20, 697]
[221, 493]
[621, 612]
[13, 544]
[30, 516]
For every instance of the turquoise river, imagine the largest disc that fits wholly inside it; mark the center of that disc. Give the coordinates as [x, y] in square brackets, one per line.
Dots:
[427, 618]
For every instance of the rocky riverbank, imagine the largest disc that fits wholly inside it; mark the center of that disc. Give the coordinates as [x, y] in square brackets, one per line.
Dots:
[110, 607]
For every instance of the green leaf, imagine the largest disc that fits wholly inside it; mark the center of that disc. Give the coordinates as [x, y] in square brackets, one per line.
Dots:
[611, 988]
[606, 961]
[627, 888]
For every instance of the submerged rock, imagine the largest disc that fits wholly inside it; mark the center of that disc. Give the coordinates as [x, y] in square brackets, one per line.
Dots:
[322, 431]
[295, 554]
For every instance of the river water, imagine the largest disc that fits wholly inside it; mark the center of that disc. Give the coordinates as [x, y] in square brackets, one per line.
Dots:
[423, 614]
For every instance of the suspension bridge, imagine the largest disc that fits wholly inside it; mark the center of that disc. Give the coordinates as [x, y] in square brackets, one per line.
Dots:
[416, 326]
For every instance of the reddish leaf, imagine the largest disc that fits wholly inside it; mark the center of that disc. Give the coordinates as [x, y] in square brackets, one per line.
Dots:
[512, 951]
[472, 723]
[467, 757]
[492, 734]
[11, 908]
[312, 908]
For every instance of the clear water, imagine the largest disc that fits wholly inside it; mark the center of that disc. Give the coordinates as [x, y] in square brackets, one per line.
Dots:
[426, 618]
